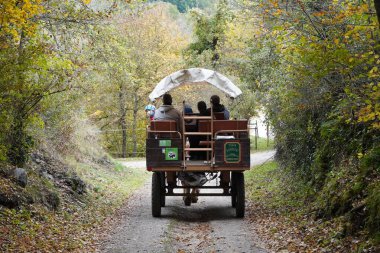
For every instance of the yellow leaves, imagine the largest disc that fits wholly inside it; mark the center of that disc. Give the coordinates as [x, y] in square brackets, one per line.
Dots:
[16, 16]
[87, 2]
[319, 14]
[370, 112]
[278, 12]
[274, 3]
[96, 114]
[374, 72]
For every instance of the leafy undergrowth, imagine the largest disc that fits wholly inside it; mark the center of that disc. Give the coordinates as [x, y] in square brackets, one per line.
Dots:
[283, 219]
[262, 144]
[70, 227]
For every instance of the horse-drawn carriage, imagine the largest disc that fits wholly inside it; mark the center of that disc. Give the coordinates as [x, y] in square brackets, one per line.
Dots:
[224, 143]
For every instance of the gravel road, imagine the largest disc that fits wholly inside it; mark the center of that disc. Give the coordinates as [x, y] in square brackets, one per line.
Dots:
[207, 226]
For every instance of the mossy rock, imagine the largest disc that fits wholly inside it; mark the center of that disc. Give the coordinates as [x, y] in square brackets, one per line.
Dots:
[53, 200]
[9, 201]
[77, 184]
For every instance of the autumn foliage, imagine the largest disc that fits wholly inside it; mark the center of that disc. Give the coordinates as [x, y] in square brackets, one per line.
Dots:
[322, 95]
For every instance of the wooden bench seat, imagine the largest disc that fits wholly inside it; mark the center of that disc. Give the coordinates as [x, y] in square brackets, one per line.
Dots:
[223, 125]
[164, 128]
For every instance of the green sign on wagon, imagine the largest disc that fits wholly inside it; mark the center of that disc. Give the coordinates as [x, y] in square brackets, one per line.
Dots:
[171, 154]
[165, 143]
[232, 152]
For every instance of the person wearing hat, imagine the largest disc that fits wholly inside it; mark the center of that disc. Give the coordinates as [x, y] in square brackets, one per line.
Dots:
[150, 110]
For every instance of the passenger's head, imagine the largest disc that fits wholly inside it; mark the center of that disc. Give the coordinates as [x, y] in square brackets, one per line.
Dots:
[167, 99]
[215, 100]
[202, 106]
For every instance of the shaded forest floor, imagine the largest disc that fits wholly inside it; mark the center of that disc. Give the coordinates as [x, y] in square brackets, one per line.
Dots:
[285, 222]
[35, 225]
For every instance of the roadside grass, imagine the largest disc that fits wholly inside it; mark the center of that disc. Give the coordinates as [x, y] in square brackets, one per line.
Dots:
[284, 216]
[70, 228]
[115, 184]
[263, 186]
[262, 144]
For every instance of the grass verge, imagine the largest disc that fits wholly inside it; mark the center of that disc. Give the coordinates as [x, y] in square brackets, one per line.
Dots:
[281, 214]
[262, 144]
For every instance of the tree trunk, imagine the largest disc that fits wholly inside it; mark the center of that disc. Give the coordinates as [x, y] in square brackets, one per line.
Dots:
[134, 125]
[377, 8]
[123, 120]
[17, 137]
[18, 151]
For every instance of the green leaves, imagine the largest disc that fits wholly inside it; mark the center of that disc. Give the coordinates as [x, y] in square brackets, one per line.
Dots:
[320, 86]
[210, 35]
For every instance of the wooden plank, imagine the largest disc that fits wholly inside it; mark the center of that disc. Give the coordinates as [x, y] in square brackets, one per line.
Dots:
[218, 125]
[205, 143]
[197, 133]
[198, 149]
[196, 117]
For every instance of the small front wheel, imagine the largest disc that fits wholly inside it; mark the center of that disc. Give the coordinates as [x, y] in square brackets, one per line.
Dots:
[163, 189]
[240, 194]
[156, 195]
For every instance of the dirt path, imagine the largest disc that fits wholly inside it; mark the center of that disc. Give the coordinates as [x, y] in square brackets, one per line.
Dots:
[207, 226]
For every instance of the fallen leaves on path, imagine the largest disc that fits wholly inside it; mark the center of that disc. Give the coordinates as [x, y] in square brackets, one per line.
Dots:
[287, 232]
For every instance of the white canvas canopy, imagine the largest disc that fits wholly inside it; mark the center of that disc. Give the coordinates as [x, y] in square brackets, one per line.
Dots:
[195, 76]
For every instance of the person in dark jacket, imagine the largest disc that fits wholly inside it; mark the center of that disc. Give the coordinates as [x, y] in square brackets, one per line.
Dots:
[202, 108]
[217, 107]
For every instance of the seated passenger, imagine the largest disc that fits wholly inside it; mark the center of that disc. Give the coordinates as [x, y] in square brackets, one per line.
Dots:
[202, 108]
[168, 112]
[189, 111]
[217, 107]
[149, 110]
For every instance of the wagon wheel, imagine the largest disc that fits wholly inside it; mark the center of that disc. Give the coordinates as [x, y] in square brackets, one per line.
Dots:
[233, 189]
[156, 195]
[240, 194]
[187, 201]
[187, 196]
[163, 190]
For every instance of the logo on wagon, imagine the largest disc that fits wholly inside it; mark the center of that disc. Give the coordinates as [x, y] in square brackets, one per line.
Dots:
[232, 152]
[171, 154]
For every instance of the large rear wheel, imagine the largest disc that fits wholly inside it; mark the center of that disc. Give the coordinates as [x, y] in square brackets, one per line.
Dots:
[156, 194]
[233, 189]
[240, 194]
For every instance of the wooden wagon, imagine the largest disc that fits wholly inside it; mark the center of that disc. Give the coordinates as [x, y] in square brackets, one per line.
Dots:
[224, 143]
